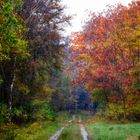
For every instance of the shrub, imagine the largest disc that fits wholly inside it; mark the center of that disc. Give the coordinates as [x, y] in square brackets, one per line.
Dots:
[4, 113]
[42, 110]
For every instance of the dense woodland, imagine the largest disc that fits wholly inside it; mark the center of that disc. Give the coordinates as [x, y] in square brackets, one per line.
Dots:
[32, 54]
[42, 72]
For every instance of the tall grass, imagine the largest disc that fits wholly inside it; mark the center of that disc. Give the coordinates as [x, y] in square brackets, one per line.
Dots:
[37, 131]
[111, 131]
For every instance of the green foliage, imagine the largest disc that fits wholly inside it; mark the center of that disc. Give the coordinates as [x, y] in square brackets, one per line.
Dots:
[136, 86]
[23, 88]
[4, 113]
[17, 111]
[42, 110]
[11, 32]
[7, 132]
[62, 96]
[34, 78]
[114, 110]
[37, 131]
[63, 116]
[31, 131]
[13, 49]
[18, 4]
[10, 135]
[99, 96]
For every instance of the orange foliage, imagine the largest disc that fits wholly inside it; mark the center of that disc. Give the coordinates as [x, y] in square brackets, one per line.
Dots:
[106, 54]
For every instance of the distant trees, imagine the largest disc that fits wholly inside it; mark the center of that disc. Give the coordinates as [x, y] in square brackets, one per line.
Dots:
[107, 54]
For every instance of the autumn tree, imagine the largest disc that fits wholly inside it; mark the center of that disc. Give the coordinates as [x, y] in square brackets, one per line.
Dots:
[106, 54]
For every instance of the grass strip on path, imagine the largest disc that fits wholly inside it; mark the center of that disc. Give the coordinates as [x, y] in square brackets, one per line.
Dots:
[71, 132]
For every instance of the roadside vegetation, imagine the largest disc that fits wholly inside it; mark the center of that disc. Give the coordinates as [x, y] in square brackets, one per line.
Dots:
[113, 131]
[38, 130]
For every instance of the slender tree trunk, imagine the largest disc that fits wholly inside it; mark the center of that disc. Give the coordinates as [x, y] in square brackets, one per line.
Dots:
[124, 106]
[11, 91]
[9, 82]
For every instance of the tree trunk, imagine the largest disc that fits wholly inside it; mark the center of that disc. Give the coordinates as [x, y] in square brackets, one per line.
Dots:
[9, 80]
[124, 105]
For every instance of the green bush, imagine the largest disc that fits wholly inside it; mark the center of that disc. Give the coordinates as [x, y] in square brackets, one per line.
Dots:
[10, 135]
[42, 110]
[4, 113]
[114, 110]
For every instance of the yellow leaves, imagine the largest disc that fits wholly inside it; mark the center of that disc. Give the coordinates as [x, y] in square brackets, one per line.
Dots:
[135, 69]
[44, 92]
[84, 56]
[114, 109]
[23, 88]
[47, 90]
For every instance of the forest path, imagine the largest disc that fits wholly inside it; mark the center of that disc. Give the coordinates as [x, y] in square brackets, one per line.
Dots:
[83, 130]
[76, 120]
[57, 134]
